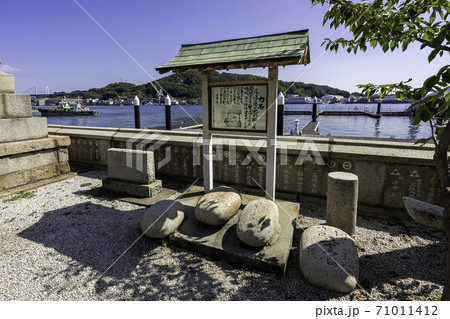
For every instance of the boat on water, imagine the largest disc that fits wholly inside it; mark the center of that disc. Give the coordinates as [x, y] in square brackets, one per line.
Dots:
[68, 109]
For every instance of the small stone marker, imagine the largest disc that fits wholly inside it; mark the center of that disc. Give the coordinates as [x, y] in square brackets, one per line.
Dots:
[132, 172]
[258, 224]
[162, 219]
[342, 201]
[218, 206]
[329, 258]
[131, 165]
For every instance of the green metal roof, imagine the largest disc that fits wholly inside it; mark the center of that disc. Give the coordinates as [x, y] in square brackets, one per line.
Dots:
[276, 49]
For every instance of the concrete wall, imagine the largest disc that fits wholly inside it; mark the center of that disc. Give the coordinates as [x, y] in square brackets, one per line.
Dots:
[387, 170]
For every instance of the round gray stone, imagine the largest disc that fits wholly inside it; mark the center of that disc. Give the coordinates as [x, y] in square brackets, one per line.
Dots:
[258, 223]
[162, 219]
[218, 206]
[329, 259]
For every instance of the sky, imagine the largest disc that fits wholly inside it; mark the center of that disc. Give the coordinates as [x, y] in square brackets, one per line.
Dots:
[55, 43]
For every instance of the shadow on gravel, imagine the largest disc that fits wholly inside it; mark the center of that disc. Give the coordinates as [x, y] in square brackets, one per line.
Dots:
[92, 235]
[425, 263]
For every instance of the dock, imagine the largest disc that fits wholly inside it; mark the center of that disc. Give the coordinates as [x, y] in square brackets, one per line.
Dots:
[352, 113]
[310, 129]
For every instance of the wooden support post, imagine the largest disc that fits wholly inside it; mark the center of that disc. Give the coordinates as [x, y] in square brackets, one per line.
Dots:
[207, 136]
[271, 153]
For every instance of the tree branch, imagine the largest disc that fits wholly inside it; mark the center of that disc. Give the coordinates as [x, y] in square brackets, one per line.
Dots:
[428, 43]
[441, 157]
[433, 136]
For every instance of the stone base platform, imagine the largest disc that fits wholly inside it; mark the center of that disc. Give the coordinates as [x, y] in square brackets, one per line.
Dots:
[222, 241]
[34, 185]
[26, 162]
[132, 188]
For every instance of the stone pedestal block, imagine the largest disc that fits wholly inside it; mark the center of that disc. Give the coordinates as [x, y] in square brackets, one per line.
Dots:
[15, 106]
[26, 162]
[27, 155]
[133, 189]
[222, 241]
[6, 83]
[342, 201]
[131, 165]
[21, 129]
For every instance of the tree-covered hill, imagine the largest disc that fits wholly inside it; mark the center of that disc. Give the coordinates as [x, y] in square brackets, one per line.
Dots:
[188, 86]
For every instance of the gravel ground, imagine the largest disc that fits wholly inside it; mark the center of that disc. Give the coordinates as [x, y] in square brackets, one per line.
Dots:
[64, 244]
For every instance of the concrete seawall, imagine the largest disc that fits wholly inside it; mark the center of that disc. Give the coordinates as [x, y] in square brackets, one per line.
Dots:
[387, 170]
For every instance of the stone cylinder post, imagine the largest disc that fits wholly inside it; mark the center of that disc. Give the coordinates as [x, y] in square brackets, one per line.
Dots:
[342, 201]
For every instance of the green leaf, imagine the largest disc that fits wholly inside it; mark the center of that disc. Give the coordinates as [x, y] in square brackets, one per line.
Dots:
[430, 82]
[434, 179]
[432, 55]
[426, 115]
[404, 45]
[393, 45]
[417, 118]
[446, 76]
[423, 141]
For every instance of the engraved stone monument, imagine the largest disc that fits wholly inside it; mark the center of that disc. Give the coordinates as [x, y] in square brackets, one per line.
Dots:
[132, 172]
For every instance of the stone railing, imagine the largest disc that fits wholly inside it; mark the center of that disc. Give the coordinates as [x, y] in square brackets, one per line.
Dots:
[387, 169]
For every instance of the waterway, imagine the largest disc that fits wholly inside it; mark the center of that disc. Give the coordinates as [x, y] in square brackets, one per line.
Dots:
[399, 127]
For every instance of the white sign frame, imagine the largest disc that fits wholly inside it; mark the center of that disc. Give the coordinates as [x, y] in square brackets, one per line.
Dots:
[238, 107]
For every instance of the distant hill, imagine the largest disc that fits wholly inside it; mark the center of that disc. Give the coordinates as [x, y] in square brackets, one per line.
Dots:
[188, 86]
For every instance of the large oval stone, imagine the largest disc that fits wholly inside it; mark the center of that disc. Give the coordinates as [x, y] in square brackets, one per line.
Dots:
[162, 219]
[218, 206]
[259, 223]
[329, 259]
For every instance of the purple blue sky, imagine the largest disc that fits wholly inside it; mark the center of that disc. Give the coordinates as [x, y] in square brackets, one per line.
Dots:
[54, 43]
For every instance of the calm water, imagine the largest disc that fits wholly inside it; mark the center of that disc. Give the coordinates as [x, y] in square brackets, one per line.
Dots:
[362, 126]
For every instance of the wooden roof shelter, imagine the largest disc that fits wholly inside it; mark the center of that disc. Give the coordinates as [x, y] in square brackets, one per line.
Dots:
[261, 51]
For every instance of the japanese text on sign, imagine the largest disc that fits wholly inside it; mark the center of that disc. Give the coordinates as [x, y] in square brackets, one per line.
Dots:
[239, 107]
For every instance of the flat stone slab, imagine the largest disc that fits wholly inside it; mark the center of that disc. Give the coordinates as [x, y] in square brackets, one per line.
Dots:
[425, 213]
[131, 188]
[222, 241]
[169, 187]
[148, 201]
